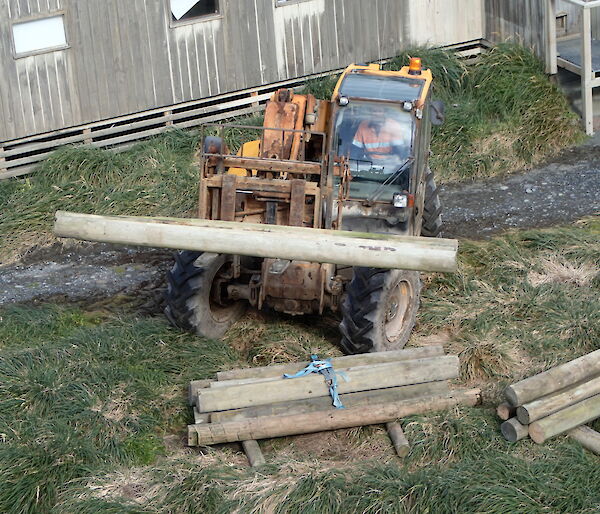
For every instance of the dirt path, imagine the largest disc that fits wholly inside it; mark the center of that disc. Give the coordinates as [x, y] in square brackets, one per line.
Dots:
[83, 272]
[559, 192]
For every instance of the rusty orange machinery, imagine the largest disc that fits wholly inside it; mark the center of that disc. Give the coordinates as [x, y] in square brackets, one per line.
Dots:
[283, 178]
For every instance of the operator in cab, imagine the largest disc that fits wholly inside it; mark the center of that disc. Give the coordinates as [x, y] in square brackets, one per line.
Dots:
[380, 137]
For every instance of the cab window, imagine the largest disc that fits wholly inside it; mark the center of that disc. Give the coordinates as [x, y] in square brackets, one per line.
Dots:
[377, 140]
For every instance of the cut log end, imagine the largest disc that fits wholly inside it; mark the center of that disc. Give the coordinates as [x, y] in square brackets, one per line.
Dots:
[513, 431]
[523, 416]
[505, 411]
[192, 436]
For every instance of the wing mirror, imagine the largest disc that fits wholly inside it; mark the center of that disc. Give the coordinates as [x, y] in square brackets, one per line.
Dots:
[438, 112]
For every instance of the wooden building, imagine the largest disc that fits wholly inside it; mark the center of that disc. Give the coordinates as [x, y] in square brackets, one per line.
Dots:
[109, 72]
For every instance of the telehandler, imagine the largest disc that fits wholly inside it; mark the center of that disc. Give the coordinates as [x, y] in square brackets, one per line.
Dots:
[356, 163]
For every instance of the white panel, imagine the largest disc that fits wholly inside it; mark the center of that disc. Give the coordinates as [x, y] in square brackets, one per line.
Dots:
[445, 22]
[36, 35]
[180, 7]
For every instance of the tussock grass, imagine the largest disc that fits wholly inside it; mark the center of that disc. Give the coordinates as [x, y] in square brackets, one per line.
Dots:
[264, 340]
[322, 88]
[156, 177]
[505, 115]
[507, 325]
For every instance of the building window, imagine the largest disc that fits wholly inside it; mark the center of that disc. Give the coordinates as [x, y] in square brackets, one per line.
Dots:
[38, 36]
[279, 3]
[187, 10]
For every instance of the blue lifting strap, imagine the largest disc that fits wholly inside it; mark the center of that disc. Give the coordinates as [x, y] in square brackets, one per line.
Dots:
[325, 368]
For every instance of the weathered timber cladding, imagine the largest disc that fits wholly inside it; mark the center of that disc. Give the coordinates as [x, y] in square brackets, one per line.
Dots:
[522, 21]
[125, 56]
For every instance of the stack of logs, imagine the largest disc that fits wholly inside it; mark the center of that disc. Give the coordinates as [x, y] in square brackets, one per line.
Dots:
[258, 403]
[555, 402]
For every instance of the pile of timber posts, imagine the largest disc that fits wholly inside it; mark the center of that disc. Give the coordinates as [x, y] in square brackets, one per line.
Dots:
[558, 401]
[246, 405]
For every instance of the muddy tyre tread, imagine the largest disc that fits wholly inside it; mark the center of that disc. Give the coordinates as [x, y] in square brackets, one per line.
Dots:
[188, 303]
[179, 289]
[364, 306]
[432, 209]
[362, 298]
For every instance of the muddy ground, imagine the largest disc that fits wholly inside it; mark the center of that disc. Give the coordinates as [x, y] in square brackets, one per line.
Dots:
[559, 192]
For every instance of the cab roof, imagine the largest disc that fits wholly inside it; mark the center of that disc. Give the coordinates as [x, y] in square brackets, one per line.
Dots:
[372, 83]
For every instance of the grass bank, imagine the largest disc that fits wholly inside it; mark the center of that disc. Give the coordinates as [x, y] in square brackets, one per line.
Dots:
[93, 409]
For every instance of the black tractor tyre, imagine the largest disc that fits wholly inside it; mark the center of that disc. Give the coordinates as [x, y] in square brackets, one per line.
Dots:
[189, 299]
[432, 209]
[379, 310]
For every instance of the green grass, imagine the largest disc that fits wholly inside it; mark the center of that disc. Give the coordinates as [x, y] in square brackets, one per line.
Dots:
[93, 407]
[87, 394]
[486, 474]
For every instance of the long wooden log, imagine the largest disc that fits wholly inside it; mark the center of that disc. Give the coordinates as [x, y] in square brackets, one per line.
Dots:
[277, 370]
[586, 437]
[342, 364]
[547, 405]
[513, 431]
[554, 379]
[565, 419]
[362, 378]
[399, 440]
[283, 242]
[350, 400]
[333, 419]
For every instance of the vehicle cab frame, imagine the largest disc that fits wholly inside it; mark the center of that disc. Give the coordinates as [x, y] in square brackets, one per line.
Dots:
[385, 195]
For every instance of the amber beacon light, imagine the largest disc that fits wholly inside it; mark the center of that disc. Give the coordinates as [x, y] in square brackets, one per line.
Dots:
[414, 67]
